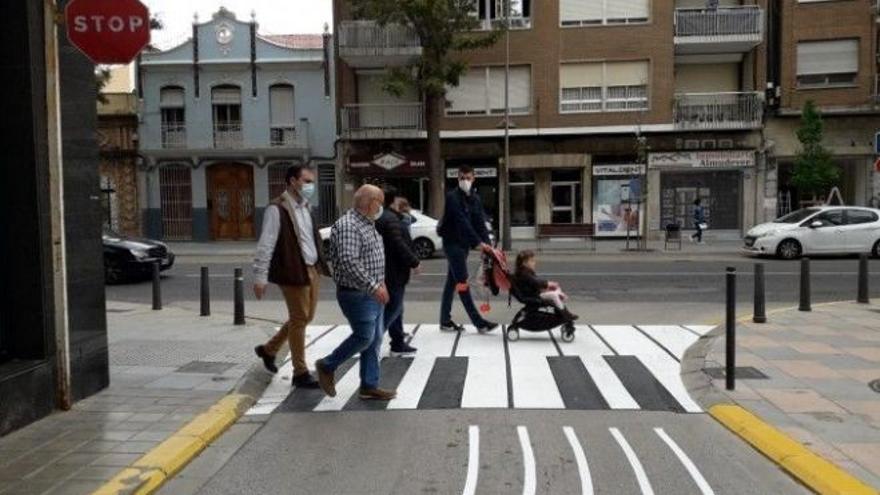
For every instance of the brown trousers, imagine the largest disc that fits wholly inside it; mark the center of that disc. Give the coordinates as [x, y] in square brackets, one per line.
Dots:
[301, 305]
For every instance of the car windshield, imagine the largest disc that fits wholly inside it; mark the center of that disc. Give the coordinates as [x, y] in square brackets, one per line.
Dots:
[797, 216]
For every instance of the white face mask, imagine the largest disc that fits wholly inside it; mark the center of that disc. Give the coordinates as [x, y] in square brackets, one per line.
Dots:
[465, 185]
[308, 191]
[378, 213]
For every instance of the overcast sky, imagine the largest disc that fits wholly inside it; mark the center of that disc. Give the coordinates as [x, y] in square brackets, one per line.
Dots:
[273, 16]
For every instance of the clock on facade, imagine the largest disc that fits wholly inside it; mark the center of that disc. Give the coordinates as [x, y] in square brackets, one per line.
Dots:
[225, 33]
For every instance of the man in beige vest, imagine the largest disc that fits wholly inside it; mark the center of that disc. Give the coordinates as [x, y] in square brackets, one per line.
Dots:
[289, 255]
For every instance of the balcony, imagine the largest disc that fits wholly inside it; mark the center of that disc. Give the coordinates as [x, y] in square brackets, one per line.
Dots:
[289, 136]
[228, 136]
[173, 136]
[718, 111]
[365, 44]
[721, 30]
[382, 120]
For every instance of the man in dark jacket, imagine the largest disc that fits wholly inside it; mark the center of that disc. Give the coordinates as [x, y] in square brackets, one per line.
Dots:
[400, 260]
[463, 227]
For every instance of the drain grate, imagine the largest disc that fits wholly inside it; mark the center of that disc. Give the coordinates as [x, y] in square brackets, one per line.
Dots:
[742, 372]
[212, 367]
[875, 385]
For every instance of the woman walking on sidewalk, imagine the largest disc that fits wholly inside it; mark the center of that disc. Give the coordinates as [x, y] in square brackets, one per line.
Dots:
[699, 221]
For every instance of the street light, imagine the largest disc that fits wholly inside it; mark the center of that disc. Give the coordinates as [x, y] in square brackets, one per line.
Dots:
[504, 180]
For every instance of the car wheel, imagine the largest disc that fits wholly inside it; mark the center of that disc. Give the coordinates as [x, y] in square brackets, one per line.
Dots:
[876, 250]
[424, 248]
[789, 249]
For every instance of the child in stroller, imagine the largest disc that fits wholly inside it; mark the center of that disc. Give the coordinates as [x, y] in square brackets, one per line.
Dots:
[530, 286]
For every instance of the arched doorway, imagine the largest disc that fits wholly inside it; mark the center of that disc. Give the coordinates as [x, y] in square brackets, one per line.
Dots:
[231, 201]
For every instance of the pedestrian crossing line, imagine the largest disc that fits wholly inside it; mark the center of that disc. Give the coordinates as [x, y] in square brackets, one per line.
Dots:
[529, 479]
[605, 368]
[635, 464]
[580, 459]
[473, 466]
[698, 478]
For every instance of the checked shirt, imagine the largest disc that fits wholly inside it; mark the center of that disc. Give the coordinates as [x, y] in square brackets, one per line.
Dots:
[357, 253]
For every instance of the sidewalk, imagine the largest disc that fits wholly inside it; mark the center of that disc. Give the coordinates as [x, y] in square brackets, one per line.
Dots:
[823, 381]
[166, 367]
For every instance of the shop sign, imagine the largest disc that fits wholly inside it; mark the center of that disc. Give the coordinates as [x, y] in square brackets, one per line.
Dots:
[628, 169]
[479, 173]
[383, 163]
[702, 159]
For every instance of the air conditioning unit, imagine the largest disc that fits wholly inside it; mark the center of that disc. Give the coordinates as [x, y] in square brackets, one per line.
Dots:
[708, 144]
[725, 144]
[691, 144]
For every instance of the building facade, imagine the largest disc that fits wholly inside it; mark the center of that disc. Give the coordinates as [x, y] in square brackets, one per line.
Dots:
[647, 105]
[222, 117]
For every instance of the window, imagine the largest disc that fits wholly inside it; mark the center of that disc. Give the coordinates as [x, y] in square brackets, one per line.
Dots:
[603, 12]
[491, 13]
[481, 91]
[226, 105]
[522, 199]
[855, 217]
[829, 218]
[827, 63]
[281, 115]
[603, 86]
[172, 109]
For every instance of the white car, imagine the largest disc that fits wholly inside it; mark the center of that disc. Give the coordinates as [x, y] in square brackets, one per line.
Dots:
[423, 232]
[818, 230]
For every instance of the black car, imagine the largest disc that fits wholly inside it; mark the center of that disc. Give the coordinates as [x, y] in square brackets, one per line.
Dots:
[127, 258]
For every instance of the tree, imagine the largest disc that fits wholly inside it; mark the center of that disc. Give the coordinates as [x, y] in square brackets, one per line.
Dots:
[814, 169]
[445, 28]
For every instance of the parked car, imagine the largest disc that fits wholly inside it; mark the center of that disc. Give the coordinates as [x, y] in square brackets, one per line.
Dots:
[818, 230]
[131, 258]
[423, 232]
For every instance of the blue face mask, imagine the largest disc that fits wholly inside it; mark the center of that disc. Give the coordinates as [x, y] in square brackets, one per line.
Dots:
[307, 191]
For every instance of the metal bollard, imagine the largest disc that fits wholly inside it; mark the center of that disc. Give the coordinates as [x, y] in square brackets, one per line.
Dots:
[239, 297]
[157, 287]
[760, 314]
[863, 279]
[205, 293]
[805, 285]
[730, 341]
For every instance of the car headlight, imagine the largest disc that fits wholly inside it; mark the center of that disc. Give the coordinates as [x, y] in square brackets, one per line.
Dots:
[765, 234]
[139, 253]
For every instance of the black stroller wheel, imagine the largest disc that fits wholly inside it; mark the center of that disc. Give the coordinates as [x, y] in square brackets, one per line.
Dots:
[512, 334]
[567, 333]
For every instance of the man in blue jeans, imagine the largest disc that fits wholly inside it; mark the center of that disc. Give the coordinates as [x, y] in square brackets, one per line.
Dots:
[358, 259]
[463, 227]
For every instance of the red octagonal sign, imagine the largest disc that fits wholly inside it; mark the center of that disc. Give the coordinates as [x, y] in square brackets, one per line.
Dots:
[108, 31]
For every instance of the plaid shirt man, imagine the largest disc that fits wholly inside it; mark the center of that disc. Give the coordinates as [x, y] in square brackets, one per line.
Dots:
[357, 253]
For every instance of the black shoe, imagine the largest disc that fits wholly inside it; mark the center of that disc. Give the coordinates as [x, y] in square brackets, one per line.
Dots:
[451, 326]
[305, 380]
[268, 359]
[403, 350]
[487, 327]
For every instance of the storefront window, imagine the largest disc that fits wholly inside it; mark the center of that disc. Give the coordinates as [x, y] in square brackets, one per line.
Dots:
[719, 192]
[615, 209]
[522, 199]
[566, 196]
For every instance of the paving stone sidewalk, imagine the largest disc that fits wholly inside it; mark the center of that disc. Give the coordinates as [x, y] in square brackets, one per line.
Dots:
[820, 366]
[165, 368]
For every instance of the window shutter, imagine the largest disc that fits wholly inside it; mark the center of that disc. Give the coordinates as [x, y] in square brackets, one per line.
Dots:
[580, 75]
[226, 96]
[281, 106]
[827, 57]
[581, 10]
[627, 9]
[520, 88]
[626, 74]
[171, 98]
[470, 94]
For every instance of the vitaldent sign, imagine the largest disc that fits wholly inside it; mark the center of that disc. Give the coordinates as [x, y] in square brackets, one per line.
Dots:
[620, 169]
[702, 159]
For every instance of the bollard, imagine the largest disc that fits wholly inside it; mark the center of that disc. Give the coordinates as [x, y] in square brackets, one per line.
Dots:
[206, 293]
[805, 285]
[239, 297]
[157, 288]
[730, 348]
[760, 315]
[863, 279]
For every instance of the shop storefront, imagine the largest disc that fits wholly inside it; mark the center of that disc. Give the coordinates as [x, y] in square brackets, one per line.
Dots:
[616, 191]
[405, 170]
[717, 178]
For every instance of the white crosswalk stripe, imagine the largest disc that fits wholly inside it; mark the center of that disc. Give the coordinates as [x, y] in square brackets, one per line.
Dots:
[606, 367]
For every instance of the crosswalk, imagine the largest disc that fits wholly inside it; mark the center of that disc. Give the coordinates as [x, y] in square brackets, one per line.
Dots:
[626, 367]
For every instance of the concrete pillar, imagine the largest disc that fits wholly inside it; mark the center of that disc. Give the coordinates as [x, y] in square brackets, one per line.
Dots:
[653, 206]
[875, 201]
[201, 222]
[587, 194]
[749, 198]
[153, 213]
[771, 188]
[261, 194]
[543, 198]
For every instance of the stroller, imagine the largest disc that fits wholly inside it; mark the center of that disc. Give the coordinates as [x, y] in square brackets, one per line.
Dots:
[536, 315]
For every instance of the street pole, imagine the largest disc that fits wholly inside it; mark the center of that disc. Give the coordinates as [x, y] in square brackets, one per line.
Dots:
[504, 182]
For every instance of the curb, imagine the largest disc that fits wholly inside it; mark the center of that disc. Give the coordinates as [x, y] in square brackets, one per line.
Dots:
[816, 473]
[146, 475]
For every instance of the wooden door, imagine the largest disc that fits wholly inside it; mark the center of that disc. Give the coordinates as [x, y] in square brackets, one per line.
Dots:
[231, 201]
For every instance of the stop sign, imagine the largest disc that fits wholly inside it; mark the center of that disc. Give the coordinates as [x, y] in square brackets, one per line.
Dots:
[108, 31]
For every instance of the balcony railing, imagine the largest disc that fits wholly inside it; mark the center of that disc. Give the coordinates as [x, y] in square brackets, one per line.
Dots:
[173, 136]
[369, 38]
[289, 136]
[719, 24]
[228, 135]
[382, 120]
[711, 111]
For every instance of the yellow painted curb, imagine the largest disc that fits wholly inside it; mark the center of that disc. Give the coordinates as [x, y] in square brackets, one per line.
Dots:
[150, 472]
[818, 474]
